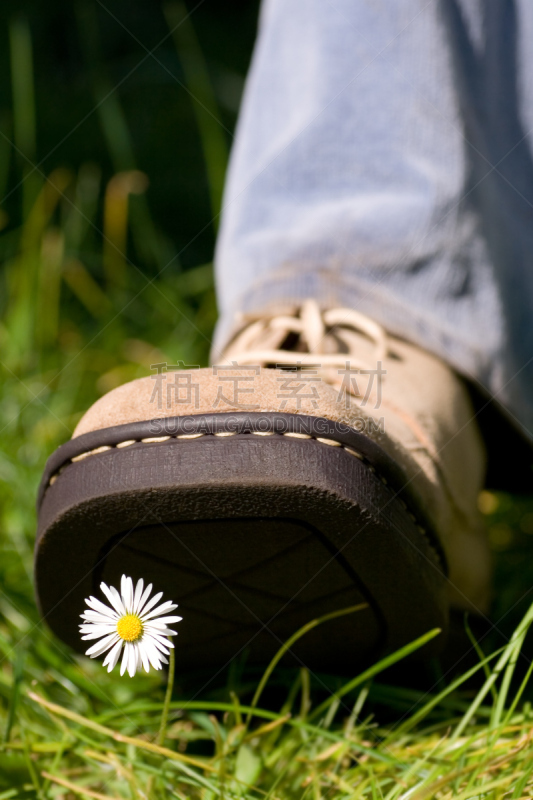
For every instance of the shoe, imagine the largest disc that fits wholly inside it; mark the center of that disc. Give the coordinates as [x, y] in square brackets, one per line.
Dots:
[322, 465]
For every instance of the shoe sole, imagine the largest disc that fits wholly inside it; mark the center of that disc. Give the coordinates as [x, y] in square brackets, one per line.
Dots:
[255, 523]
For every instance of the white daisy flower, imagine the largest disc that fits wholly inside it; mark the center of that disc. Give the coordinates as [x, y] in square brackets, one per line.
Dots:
[132, 622]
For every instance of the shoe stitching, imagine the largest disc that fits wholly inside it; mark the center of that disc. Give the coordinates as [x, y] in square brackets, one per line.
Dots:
[189, 436]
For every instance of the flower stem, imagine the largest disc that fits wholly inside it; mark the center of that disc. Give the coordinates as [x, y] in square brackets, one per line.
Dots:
[168, 697]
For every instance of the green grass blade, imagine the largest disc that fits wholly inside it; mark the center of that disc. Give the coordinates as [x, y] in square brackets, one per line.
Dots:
[150, 244]
[24, 122]
[5, 160]
[499, 706]
[13, 702]
[291, 641]
[418, 716]
[506, 655]
[381, 666]
[480, 653]
[205, 107]
[22, 87]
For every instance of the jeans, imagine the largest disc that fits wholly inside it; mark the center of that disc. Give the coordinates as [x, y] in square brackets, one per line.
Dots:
[383, 161]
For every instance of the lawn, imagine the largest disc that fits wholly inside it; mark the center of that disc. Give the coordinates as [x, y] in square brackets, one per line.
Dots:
[115, 126]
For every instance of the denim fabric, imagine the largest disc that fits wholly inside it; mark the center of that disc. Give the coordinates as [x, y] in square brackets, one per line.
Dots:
[383, 161]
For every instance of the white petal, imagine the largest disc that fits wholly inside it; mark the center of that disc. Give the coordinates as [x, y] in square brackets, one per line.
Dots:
[168, 606]
[113, 656]
[118, 599]
[96, 623]
[159, 635]
[138, 594]
[132, 659]
[151, 603]
[98, 626]
[95, 616]
[124, 659]
[101, 608]
[163, 631]
[88, 625]
[156, 636]
[97, 634]
[100, 647]
[152, 653]
[111, 652]
[95, 626]
[144, 598]
[162, 646]
[163, 658]
[114, 598]
[167, 620]
[144, 657]
[131, 593]
[126, 590]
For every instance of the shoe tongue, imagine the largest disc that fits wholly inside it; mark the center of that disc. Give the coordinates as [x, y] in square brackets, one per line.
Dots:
[337, 340]
[356, 345]
[286, 333]
[273, 339]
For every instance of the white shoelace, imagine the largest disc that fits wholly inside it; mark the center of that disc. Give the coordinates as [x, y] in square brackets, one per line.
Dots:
[259, 342]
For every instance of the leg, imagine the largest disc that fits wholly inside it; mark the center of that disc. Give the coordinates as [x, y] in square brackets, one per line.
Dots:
[362, 175]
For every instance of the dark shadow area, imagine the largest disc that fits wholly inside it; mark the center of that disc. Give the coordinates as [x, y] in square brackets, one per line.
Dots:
[490, 78]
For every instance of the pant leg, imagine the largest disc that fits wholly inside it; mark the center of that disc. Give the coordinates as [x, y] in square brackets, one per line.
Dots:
[362, 175]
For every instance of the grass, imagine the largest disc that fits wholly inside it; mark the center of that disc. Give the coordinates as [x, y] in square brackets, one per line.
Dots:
[94, 293]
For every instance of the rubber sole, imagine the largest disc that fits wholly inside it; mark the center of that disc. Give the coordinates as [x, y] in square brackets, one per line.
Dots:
[255, 524]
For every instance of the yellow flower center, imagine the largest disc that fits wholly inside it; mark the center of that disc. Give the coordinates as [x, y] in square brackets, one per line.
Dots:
[130, 628]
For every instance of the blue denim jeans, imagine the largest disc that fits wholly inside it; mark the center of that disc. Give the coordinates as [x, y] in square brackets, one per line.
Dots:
[383, 161]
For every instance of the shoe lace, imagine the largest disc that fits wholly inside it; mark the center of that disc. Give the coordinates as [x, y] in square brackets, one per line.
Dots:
[313, 334]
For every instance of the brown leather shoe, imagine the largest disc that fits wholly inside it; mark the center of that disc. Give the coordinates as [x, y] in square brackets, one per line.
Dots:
[261, 498]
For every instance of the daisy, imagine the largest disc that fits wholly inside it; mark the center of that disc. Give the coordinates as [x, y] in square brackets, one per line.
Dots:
[132, 622]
